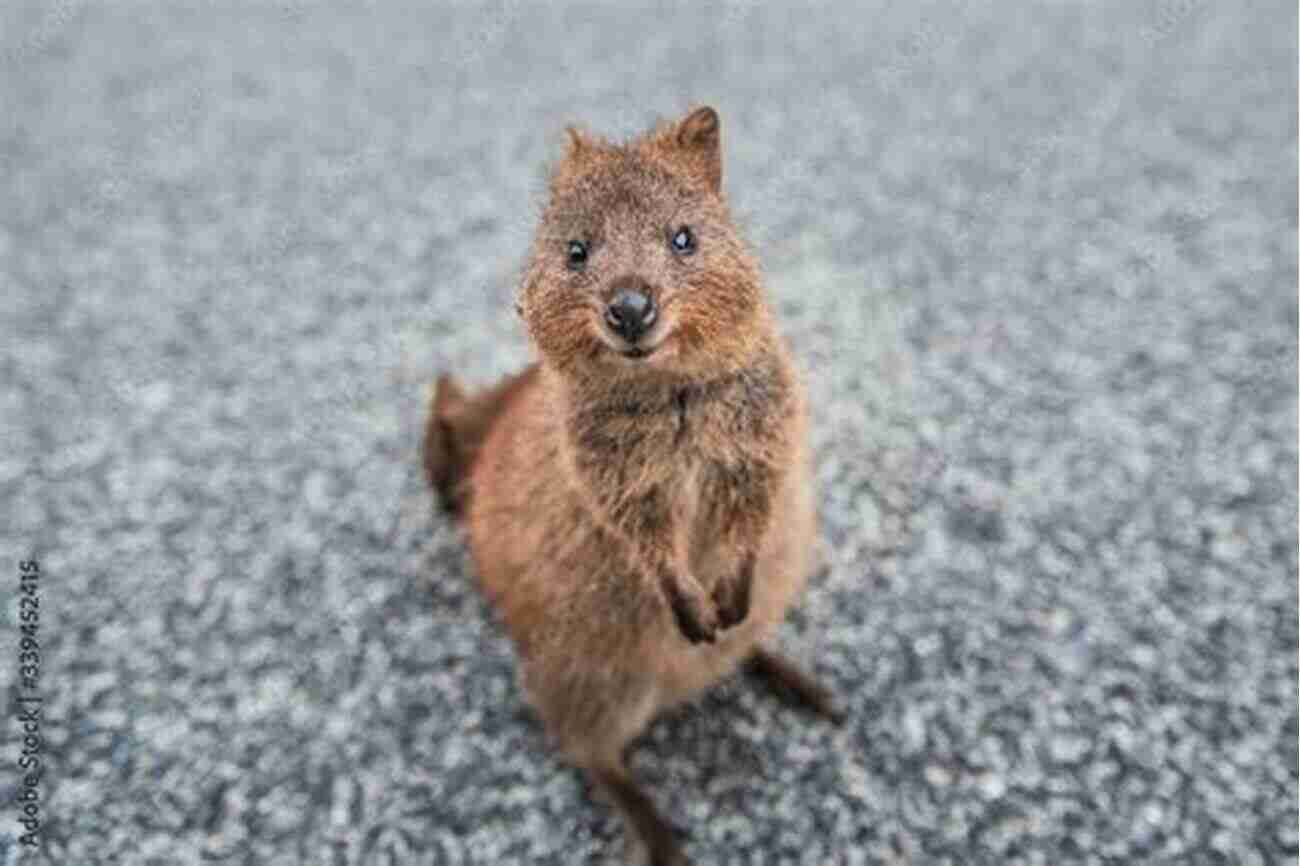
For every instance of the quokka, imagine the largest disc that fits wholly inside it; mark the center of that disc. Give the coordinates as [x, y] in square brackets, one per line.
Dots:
[639, 501]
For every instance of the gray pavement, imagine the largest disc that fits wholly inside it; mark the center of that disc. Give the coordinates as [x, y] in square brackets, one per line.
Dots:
[1039, 264]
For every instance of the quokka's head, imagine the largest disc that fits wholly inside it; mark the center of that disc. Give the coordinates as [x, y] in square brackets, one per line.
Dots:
[636, 266]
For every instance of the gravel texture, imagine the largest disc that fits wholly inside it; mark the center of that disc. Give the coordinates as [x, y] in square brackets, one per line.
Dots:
[1039, 263]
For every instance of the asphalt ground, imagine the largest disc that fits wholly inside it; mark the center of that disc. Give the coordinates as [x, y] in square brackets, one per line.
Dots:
[1038, 262]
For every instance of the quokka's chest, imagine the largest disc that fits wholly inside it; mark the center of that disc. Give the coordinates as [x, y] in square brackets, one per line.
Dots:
[683, 448]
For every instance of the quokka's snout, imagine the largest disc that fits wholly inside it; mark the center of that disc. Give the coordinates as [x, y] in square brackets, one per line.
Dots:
[631, 310]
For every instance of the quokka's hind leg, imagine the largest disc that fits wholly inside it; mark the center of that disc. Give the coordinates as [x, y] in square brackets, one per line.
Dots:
[594, 721]
[657, 838]
[794, 685]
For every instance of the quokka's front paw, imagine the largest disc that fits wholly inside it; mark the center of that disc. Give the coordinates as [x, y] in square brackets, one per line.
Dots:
[696, 617]
[732, 596]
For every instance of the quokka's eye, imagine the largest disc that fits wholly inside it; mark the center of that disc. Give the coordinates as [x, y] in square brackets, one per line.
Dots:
[683, 241]
[577, 255]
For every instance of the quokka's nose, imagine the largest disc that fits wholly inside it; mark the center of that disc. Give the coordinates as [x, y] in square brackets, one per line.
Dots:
[630, 313]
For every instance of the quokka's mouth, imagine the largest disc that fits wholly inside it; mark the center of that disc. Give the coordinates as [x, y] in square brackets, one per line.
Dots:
[637, 352]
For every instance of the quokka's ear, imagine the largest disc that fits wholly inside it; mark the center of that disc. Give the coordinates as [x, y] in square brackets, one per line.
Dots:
[699, 129]
[699, 134]
[577, 141]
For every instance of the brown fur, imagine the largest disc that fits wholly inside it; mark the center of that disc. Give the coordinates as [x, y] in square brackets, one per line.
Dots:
[456, 429]
[637, 524]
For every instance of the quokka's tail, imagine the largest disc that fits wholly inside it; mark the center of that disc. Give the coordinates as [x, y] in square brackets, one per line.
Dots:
[457, 426]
